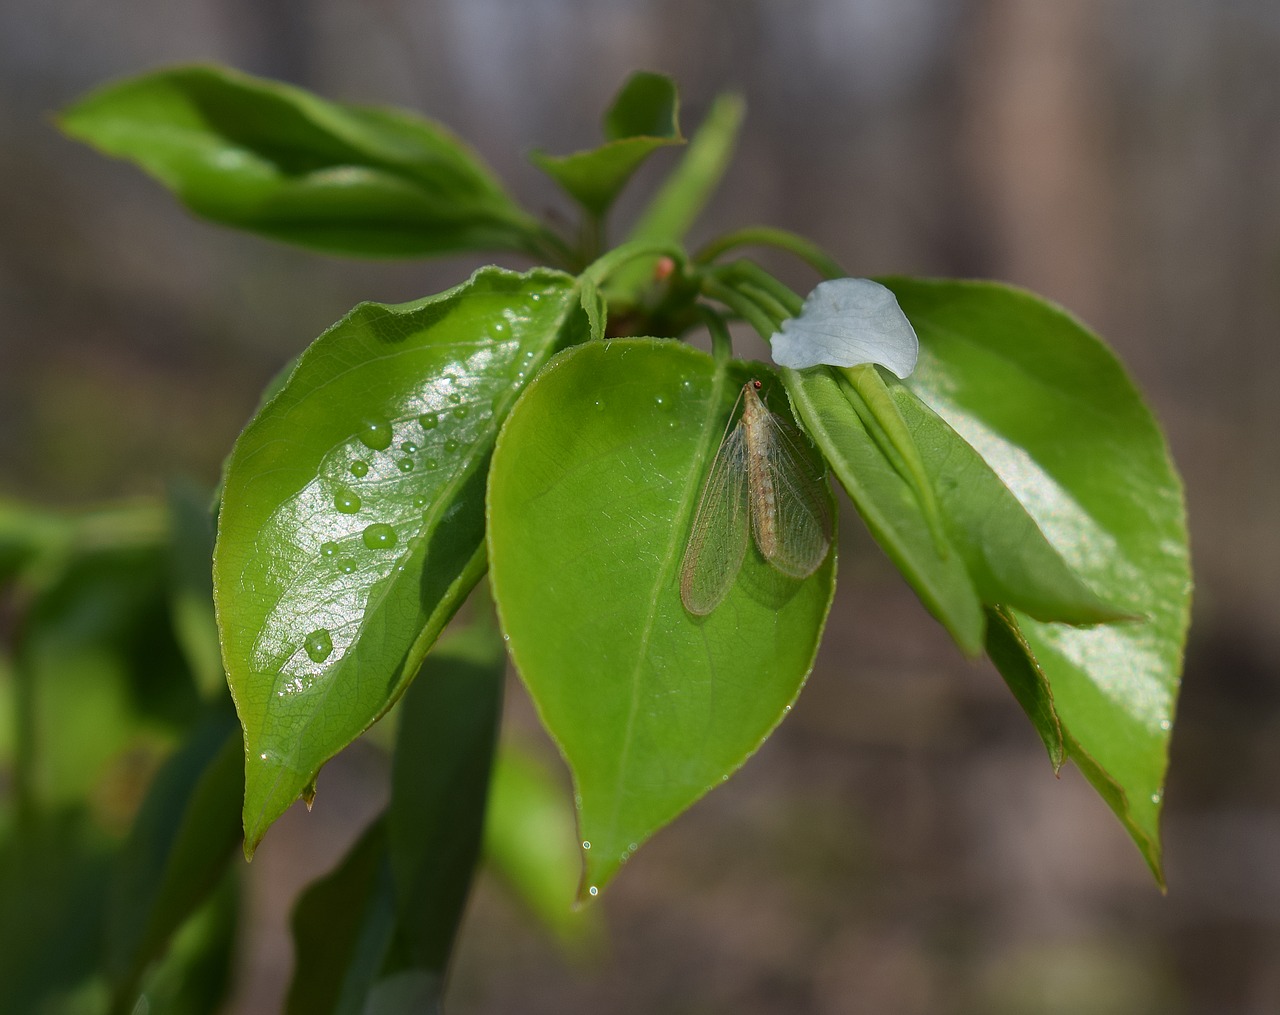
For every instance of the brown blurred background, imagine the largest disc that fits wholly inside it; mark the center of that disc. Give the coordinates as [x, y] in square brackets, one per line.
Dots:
[900, 845]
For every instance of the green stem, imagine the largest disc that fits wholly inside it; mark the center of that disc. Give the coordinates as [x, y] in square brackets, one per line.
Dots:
[742, 305]
[754, 275]
[721, 342]
[765, 236]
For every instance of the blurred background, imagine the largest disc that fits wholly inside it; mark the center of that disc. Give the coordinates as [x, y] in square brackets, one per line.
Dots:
[900, 845]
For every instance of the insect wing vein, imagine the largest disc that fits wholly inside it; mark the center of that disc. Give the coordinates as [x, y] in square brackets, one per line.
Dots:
[718, 538]
[803, 516]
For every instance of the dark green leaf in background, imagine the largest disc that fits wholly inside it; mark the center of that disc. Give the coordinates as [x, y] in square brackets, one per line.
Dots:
[1051, 410]
[529, 843]
[178, 848]
[343, 926]
[642, 119]
[594, 483]
[439, 785]
[275, 160]
[352, 521]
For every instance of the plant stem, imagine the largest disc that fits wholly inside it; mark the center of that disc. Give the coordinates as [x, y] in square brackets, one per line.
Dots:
[765, 236]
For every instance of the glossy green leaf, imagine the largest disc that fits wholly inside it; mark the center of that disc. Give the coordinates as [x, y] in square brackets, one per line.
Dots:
[352, 520]
[529, 842]
[439, 784]
[343, 927]
[887, 503]
[278, 161]
[1007, 556]
[1051, 410]
[178, 848]
[642, 119]
[592, 492]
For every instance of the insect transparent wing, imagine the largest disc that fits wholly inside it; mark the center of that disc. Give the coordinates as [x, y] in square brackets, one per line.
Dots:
[718, 538]
[803, 522]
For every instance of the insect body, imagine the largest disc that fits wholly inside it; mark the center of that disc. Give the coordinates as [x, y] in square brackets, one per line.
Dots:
[764, 482]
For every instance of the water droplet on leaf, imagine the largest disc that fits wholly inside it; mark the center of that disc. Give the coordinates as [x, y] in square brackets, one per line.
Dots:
[328, 549]
[346, 501]
[319, 645]
[405, 465]
[379, 536]
[375, 434]
[359, 468]
[429, 420]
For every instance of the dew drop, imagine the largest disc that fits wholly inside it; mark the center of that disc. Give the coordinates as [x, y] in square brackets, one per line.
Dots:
[328, 549]
[593, 890]
[375, 434]
[499, 328]
[632, 846]
[460, 412]
[455, 397]
[359, 468]
[429, 421]
[430, 463]
[1155, 798]
[450, 446]
[659, 401]
[536, 297]
[319, 645]
[346, 565]
[408, 447]
[379, 536]
[1165, 724]
[405, 465]
[419, 502]
[346, 501]
[586, 844]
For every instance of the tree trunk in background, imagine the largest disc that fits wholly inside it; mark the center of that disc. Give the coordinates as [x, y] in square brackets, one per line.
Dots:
[1033, 149]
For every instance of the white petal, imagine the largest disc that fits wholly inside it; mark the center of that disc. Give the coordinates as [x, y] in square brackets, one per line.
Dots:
[847, 321]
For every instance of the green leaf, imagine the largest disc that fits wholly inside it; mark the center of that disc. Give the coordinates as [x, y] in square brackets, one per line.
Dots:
[887, 503]
[1051, 410]
[529, 842]
[1007, 556]
[676, 206]
[1027, 681]
[195, 976]
[642, 119]
[343, 927]
[278, 161]
[178, 848]
[592, 492]
[352, 520]
[439, 784]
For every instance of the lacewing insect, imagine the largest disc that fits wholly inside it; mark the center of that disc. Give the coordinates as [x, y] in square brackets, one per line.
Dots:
[762, 481]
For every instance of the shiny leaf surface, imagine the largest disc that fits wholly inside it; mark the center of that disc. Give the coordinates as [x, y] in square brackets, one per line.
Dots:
[1051, 410]
[352, 520]
[592, 492]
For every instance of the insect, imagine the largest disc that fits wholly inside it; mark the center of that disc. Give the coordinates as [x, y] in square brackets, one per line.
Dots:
[764, 480]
